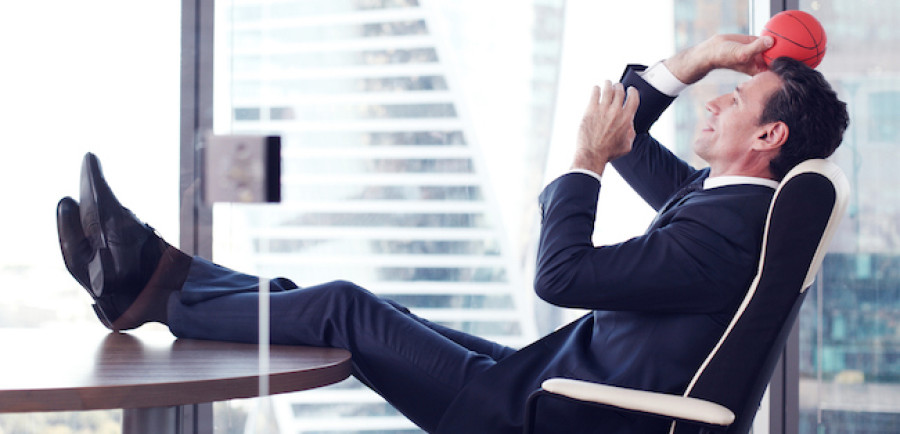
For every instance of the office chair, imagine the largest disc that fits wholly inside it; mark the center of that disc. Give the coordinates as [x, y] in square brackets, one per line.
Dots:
[726, 390]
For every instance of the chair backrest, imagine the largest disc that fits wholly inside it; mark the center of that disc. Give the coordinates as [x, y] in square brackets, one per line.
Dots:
[803, 216]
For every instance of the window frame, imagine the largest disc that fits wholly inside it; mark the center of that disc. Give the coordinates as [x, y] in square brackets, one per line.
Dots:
[195, 218]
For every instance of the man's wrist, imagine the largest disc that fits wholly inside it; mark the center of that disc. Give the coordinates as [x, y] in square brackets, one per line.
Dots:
[662, 79]
[591, 163]
[685, 67]
[588, 172]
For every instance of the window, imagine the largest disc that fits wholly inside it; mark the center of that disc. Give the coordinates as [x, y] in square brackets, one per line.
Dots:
[75, 79]
[849, 329]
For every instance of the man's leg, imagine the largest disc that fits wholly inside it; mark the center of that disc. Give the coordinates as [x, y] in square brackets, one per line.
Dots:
[401, 357]
[135, 277]
[471, 342]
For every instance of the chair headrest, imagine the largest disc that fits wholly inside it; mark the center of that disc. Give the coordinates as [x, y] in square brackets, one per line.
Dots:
[832, 173]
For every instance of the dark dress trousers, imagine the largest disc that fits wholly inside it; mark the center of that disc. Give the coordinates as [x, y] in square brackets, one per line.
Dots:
[658, 303]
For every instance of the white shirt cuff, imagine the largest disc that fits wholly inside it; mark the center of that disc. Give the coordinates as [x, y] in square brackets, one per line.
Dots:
[586, 172]
[662, 79]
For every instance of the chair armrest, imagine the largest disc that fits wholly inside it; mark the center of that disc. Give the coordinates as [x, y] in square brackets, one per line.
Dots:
[662, 404]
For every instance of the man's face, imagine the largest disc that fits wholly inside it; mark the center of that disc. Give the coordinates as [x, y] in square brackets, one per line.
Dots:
[733, 125]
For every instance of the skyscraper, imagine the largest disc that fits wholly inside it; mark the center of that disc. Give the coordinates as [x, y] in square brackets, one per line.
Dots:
[383, 182]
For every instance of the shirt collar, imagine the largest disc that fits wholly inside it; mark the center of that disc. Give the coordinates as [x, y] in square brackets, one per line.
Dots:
[721, 181]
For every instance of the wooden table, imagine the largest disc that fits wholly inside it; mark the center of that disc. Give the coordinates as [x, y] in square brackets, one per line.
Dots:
[148, 373]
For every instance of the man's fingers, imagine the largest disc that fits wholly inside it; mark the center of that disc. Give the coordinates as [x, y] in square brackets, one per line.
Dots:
[606, 95]
[737, 37]
[758, 46]
[750, 59]
[595, 99]
[632, 101]
[618, 95]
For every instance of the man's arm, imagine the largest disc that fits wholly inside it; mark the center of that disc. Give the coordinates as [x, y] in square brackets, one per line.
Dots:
[742, 53]
[683, 266]
[697, 263]
[650, 169]
[604, 136]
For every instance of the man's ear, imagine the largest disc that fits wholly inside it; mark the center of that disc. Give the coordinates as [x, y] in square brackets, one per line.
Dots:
[772, 135]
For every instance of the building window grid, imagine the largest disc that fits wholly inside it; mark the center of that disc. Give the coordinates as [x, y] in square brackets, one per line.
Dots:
[425, 172]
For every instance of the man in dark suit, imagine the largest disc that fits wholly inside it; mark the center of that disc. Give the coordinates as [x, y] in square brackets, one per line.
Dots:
[659, 301]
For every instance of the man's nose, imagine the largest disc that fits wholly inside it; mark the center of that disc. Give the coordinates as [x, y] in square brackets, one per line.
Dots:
[714, 104]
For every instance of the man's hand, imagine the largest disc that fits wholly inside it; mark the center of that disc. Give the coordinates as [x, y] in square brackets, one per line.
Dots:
[607, 129]
[742, 53]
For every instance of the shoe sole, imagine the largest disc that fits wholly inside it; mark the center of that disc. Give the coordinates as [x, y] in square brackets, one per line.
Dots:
[100, 267]
[74, 246]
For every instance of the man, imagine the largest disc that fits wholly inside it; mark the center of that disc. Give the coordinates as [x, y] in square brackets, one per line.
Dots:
[658, 301]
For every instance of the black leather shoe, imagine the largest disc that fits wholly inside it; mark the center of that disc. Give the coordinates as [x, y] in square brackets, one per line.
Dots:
[124, 252]
[76, 250]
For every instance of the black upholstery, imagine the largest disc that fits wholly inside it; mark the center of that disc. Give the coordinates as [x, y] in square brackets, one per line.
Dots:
[737, 375]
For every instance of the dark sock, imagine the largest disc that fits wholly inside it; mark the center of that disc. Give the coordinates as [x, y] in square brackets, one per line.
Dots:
[151, 304]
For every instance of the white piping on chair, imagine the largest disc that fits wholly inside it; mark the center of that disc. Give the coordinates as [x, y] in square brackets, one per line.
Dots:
[842, 187]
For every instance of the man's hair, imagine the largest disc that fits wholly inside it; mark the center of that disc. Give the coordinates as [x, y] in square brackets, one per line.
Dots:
[807, 104]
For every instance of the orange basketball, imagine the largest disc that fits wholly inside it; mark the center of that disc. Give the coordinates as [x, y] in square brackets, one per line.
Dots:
[798, 35]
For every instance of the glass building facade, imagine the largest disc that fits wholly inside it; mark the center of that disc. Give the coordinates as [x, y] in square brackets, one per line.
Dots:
[850, 325]
[383, 176]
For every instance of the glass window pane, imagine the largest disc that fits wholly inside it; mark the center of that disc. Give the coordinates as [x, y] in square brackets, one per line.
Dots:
[850, 334]
[99, 76]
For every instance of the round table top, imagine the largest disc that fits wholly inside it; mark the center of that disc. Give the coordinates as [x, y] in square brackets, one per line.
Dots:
[90, 369]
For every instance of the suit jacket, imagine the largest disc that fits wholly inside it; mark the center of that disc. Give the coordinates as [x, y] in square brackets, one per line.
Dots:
[658, 302]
